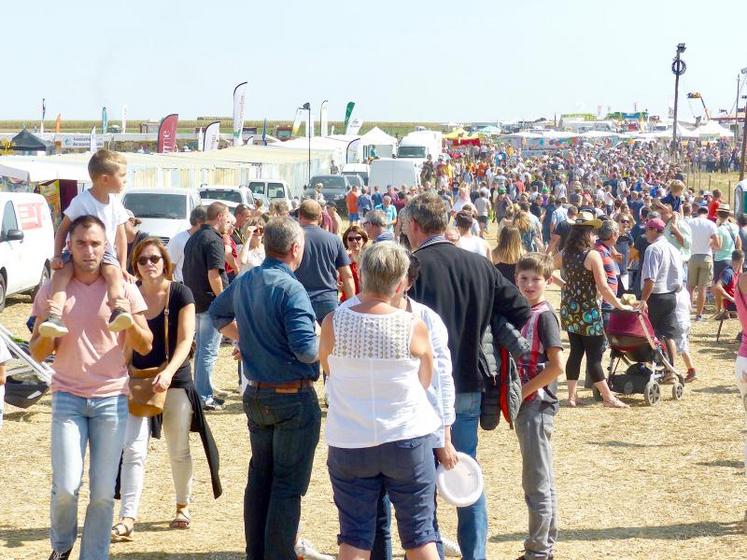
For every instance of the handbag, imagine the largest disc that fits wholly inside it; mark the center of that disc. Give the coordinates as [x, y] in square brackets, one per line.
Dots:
[143, 401]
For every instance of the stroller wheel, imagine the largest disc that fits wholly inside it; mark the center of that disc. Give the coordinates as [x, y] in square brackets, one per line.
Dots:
[597, 395]
[652, 393]
[678, 391]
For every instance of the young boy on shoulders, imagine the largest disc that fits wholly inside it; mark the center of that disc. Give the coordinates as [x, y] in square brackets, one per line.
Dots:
[534, 423]
[108, 171]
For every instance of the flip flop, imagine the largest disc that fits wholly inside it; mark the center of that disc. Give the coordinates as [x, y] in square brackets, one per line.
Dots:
[615, 403]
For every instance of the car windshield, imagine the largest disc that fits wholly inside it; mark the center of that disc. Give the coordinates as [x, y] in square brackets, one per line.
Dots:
[221, 194]
[257, 188]
[354, 179]
[157, 205]
[411, 152]
[275, 190]
[329, 182]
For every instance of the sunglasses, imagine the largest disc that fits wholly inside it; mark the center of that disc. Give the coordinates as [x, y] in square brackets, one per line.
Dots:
[153, 259]
[354, 238]
[624, 221]
[258, 231]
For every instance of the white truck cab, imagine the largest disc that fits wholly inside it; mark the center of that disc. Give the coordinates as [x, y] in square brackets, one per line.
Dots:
[26, 243]
[274, 190]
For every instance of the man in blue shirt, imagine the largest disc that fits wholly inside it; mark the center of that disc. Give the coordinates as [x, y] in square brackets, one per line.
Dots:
[269, 312]
[390, 212]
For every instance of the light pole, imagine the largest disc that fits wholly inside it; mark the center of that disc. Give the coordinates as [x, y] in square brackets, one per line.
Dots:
[307, 107]
[678, 68]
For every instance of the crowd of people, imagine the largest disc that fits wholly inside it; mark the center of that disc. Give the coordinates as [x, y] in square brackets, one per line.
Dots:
[406, 311]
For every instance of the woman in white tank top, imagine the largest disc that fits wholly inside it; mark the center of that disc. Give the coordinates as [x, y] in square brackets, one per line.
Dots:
[379, 423]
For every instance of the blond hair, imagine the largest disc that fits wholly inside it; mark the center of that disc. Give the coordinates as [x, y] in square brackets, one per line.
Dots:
[106, 162]
[509, 249]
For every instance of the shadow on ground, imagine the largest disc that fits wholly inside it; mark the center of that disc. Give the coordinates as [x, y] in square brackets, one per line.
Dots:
[731, 464]
[678, 531]
[626, 444]
[180, 555]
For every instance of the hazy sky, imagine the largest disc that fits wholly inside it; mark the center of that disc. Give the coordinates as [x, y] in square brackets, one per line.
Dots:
[399, 60]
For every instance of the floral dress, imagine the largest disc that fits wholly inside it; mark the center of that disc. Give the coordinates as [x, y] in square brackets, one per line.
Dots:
[579, 307]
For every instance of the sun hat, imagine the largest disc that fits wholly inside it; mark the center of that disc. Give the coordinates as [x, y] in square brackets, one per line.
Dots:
[725, 208]
[462, 485]
[656, 223]
[586, 218]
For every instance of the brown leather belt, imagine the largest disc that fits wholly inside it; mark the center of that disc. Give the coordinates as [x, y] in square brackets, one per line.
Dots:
[287, 387]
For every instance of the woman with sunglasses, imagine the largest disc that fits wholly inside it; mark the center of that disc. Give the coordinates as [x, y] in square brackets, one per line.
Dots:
[253, 251]
[354, 239]
[182, 410]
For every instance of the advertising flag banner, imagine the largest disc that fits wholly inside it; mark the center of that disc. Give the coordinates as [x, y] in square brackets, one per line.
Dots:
[348, 112]
[200, 140]
[211, 136]
[167, 134]
[354, 126]
[92, 144]
[44, 114]
[297, 122]
[264, 132]
[239, 98]
[323, 121]
[104, 120]
[124, 119]
[58, 123]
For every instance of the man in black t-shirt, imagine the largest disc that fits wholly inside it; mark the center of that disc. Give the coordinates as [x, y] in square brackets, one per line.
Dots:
[562, 230]
[205, 274]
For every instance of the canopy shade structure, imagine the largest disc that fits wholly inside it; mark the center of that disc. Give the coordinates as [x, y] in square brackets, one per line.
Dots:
[490, 130]
[25, 141]
[35, 171]
[712, 129]
[377, 137]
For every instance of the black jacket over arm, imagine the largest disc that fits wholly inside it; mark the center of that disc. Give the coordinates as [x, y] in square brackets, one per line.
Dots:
[468, 293]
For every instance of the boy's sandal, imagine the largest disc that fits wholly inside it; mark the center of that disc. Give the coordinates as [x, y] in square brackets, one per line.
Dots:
[181, 520]
[614, 402]
[121, 532]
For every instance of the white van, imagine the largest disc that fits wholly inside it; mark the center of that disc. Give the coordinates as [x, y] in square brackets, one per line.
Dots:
[274, 190]
[394, 172]
[163, 211]
[26, 243]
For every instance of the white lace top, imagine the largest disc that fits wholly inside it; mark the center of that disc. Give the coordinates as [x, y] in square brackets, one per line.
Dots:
[374, 393]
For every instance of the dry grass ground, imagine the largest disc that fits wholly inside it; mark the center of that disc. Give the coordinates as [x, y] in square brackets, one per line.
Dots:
[644, 483]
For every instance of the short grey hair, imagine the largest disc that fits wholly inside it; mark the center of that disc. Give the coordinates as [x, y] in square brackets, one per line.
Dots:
[430, 213]
[376, 218]
[607, 230]
[383, 266]
[280, 235]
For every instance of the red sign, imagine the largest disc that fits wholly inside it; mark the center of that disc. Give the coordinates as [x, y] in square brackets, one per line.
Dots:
[167, 134]
[31, 215]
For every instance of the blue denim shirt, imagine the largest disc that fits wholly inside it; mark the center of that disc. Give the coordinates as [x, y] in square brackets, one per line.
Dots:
[277, 337]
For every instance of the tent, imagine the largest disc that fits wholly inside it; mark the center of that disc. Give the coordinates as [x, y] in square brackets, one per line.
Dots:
[31, 170]
[490, 130]
[384, 144]
[25, 141]
[712, 129]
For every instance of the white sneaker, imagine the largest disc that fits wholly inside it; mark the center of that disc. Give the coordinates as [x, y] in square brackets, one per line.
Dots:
[304, 549]
[451, 549]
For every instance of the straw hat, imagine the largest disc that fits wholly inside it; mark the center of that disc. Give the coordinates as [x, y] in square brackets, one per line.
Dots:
[586, 218]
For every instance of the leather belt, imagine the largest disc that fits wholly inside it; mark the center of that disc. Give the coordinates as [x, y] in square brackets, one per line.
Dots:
[287, 387]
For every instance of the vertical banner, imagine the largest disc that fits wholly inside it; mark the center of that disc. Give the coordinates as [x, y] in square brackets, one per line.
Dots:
[92, 145]
[200, 140]
[124, 119]
[104, 120]
[264, 132]
[211, 136]
[58, 123]
[239, 98]
[297, 122]
[44, 114]
[354, 126]
[309, 125]
[348, 112]
[323, 121]
[167, 134]
[51, 191]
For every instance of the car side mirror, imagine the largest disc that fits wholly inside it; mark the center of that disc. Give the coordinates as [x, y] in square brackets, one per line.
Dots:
[14, 235]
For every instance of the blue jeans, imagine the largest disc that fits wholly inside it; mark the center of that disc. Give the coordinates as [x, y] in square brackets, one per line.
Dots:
[283, 432]
[472, 524]
[323, 308]
[100, 424]
[206, 354]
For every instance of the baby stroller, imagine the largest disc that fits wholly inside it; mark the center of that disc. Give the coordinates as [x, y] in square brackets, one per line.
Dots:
[631, 338]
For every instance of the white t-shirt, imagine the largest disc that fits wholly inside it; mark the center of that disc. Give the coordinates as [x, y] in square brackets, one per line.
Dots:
[112, 214]
[702, 229]
[474, 244]
[175, 248]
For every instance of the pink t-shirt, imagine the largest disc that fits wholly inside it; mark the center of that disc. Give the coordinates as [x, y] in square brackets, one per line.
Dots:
[89, 361]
